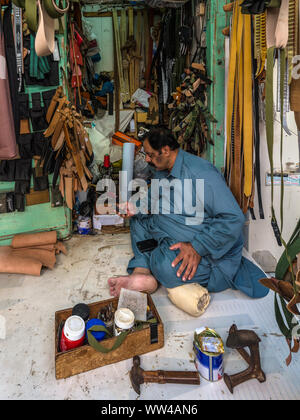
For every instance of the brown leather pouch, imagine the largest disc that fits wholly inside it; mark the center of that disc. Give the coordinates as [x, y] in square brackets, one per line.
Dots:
[24, 127]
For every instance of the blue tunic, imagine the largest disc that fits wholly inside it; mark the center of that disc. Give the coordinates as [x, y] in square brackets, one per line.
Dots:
[217, 238]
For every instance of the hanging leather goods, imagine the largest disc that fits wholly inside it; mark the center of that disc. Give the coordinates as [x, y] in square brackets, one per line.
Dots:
[239, 113]
[62, 104]
[270, 133]
[8, 146]
[248, 107]
[83, 137]
[54, 102]
[76, 60]
[54, 10]
[231, 84]
[292, 35]
[260, 42]
[45, 36]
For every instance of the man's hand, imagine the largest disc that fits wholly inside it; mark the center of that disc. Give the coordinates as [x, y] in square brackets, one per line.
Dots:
[190, 260]
[126, 210]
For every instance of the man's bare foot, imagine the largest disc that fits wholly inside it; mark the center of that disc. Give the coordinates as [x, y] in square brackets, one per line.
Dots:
[140, 280]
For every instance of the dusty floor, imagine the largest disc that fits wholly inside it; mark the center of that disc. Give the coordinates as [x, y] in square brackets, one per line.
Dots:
[28, 304]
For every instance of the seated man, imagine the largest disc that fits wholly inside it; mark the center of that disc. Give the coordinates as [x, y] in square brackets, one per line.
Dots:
[207, 251]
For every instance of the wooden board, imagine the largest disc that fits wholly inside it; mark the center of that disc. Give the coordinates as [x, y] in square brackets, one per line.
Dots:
[85, 358]
[37, 197]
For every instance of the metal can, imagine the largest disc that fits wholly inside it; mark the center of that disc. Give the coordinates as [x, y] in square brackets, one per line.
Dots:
[209, 365]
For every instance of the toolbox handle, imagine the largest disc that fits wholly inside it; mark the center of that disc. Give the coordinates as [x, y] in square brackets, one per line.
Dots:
[119, 339]
[95, 343]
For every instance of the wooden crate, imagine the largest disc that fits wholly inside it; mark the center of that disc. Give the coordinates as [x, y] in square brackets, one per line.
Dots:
[85, 358]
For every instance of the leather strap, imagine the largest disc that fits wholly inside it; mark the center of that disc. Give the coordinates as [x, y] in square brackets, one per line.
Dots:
[248, 108]
[31, 14]
[62, 102]
[270, 133]
[30, 6]
[282, 27]
[260, 49]
[239, 114]
[45, 39]
[53, 103]
[292, 35]
[55, 11]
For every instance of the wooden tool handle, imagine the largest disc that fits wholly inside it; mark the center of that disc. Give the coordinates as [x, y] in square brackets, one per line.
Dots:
[172, 377]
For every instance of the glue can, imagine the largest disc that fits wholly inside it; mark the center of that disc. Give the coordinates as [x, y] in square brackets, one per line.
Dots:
[208, 364]
[124, 320]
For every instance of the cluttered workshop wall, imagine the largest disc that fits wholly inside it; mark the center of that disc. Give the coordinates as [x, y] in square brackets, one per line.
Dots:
[101, 29]
[29, 201]
[261, 135]
[159, 68]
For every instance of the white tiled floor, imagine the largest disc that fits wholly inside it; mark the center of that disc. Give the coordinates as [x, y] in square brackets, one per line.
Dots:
[28, 305]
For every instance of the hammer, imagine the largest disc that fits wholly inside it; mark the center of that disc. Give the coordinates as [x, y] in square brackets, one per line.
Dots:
[139, 376]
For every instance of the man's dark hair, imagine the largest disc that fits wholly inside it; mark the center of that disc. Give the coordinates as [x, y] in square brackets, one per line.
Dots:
[159, 137]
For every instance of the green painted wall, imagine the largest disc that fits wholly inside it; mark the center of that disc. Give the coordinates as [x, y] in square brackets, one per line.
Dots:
[217, 20]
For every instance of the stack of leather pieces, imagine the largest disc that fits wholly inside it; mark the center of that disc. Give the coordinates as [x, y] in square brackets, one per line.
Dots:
[29, 252]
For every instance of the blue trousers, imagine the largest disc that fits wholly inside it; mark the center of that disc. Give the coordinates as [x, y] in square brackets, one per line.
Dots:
[159, 261]
[232, 271]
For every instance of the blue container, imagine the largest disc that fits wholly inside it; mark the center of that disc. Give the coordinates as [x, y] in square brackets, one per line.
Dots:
[209, 365]
[99, 335]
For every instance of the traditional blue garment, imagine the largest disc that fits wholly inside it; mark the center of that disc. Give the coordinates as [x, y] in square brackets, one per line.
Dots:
[218, 239]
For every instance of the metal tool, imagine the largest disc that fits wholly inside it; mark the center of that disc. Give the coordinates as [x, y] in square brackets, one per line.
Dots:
[139, 376]
[238, 339]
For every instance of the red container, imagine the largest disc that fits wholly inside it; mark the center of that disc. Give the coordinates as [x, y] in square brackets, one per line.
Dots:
[73, 333]
[106, 163]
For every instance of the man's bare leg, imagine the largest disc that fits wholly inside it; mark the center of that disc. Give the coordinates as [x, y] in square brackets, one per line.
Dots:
[140, 280]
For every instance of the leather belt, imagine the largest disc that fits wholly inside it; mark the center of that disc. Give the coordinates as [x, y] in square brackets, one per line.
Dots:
[239, 114]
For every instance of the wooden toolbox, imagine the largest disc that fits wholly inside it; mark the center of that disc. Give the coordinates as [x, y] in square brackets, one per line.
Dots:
[84, 358]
